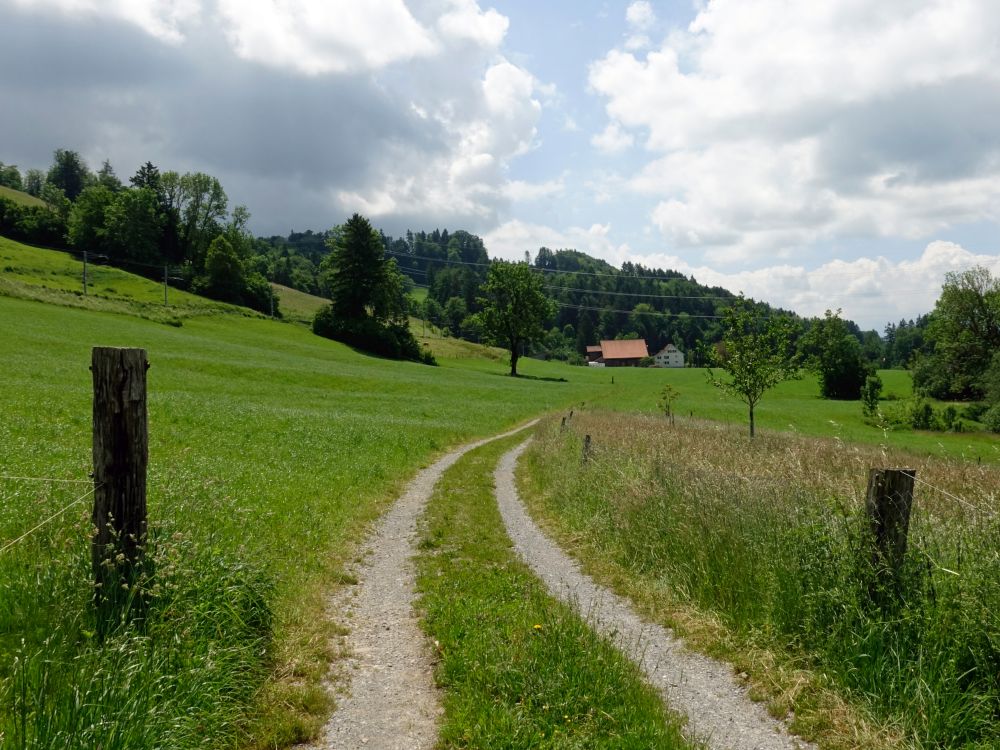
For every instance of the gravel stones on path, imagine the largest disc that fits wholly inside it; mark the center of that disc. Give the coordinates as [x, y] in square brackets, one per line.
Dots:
[392, 702]
[718, 709]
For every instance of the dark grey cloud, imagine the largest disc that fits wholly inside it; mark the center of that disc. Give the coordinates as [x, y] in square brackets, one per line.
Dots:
[282, 143]
[62, 54]
[922, 135]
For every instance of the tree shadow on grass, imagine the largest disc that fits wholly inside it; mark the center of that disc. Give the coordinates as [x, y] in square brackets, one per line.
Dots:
[519, 376]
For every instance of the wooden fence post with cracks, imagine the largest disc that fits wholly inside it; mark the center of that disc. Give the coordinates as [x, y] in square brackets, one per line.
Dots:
[888, 504]
[586, 448]
[120, 458]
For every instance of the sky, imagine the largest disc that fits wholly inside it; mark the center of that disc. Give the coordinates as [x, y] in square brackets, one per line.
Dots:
[831, 154]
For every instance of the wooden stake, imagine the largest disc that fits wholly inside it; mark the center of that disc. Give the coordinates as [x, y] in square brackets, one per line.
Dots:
[120, 458]
[888, 503]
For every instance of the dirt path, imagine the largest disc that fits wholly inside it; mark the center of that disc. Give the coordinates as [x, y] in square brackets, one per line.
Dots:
[392, 702]
[718, 709]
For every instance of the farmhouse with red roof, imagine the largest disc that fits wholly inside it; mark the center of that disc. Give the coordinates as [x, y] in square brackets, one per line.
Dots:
[617, 353]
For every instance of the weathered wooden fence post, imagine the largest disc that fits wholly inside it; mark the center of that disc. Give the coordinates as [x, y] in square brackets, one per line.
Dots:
[586, 448]
[120, 458]
[888, 503]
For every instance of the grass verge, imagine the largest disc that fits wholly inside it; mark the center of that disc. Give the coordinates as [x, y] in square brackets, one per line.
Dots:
[757, 552]
[271, 450]
[518, 668]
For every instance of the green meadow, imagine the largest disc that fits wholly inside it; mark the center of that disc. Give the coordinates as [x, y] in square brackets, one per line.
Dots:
[271, 452]
[57, 278]
[295, 305]
[760, 553]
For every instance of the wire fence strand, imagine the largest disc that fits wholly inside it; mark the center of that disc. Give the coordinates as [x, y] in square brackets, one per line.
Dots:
[45, 479]
[956, 498]
[55, 515]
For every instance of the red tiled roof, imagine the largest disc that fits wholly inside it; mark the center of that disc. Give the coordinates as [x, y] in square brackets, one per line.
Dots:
[631, 349]
[594, 349]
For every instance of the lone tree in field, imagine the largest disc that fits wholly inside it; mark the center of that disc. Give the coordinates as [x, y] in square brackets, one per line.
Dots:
[515, 308]
[755, 351]
[668, 396]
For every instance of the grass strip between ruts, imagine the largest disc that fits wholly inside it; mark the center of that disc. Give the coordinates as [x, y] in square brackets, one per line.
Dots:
[517, 668]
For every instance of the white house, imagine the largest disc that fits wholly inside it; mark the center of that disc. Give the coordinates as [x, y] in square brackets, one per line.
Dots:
[669, 356]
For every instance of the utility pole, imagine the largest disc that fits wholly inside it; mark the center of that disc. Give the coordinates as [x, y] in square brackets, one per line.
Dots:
[84, 273]
[164, 284]
[271, 299]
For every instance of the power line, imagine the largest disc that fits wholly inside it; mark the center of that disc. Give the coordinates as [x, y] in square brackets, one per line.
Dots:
[642, 294]
[438, 260]
[622, 275]
[956, 498]
[630, 312]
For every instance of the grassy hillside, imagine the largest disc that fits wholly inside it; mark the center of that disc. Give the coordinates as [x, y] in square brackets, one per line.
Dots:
[270, 450]
[297, 306]
[20, 198]
[57, 278]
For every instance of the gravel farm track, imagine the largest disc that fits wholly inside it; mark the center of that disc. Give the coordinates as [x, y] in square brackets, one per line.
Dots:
[386, 697]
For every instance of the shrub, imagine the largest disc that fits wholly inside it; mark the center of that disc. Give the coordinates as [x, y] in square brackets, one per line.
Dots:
[869, 395]
[992, 418]
[975, 411]
[393, 340]
[921, 415]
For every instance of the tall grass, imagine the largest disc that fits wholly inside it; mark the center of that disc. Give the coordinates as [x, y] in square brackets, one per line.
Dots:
[770, 536]
[180, 678]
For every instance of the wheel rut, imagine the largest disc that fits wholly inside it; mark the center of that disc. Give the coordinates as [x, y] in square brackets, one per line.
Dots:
[718, 709]
[390, 701]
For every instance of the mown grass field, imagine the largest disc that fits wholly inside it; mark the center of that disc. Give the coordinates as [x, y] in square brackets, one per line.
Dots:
[758, 551]
[297, 306]
[271, 450]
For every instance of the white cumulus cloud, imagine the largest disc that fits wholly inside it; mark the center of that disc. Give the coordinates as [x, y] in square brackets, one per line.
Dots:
[613, 139]
[511, 239]
[640, 14]
[872, 291]
[466, 20]
[316, 36]
[772, 125]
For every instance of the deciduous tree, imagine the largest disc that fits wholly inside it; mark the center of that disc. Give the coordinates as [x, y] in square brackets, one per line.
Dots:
[964, 331]
[515, 308]
[835, 355]
[756, 353]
